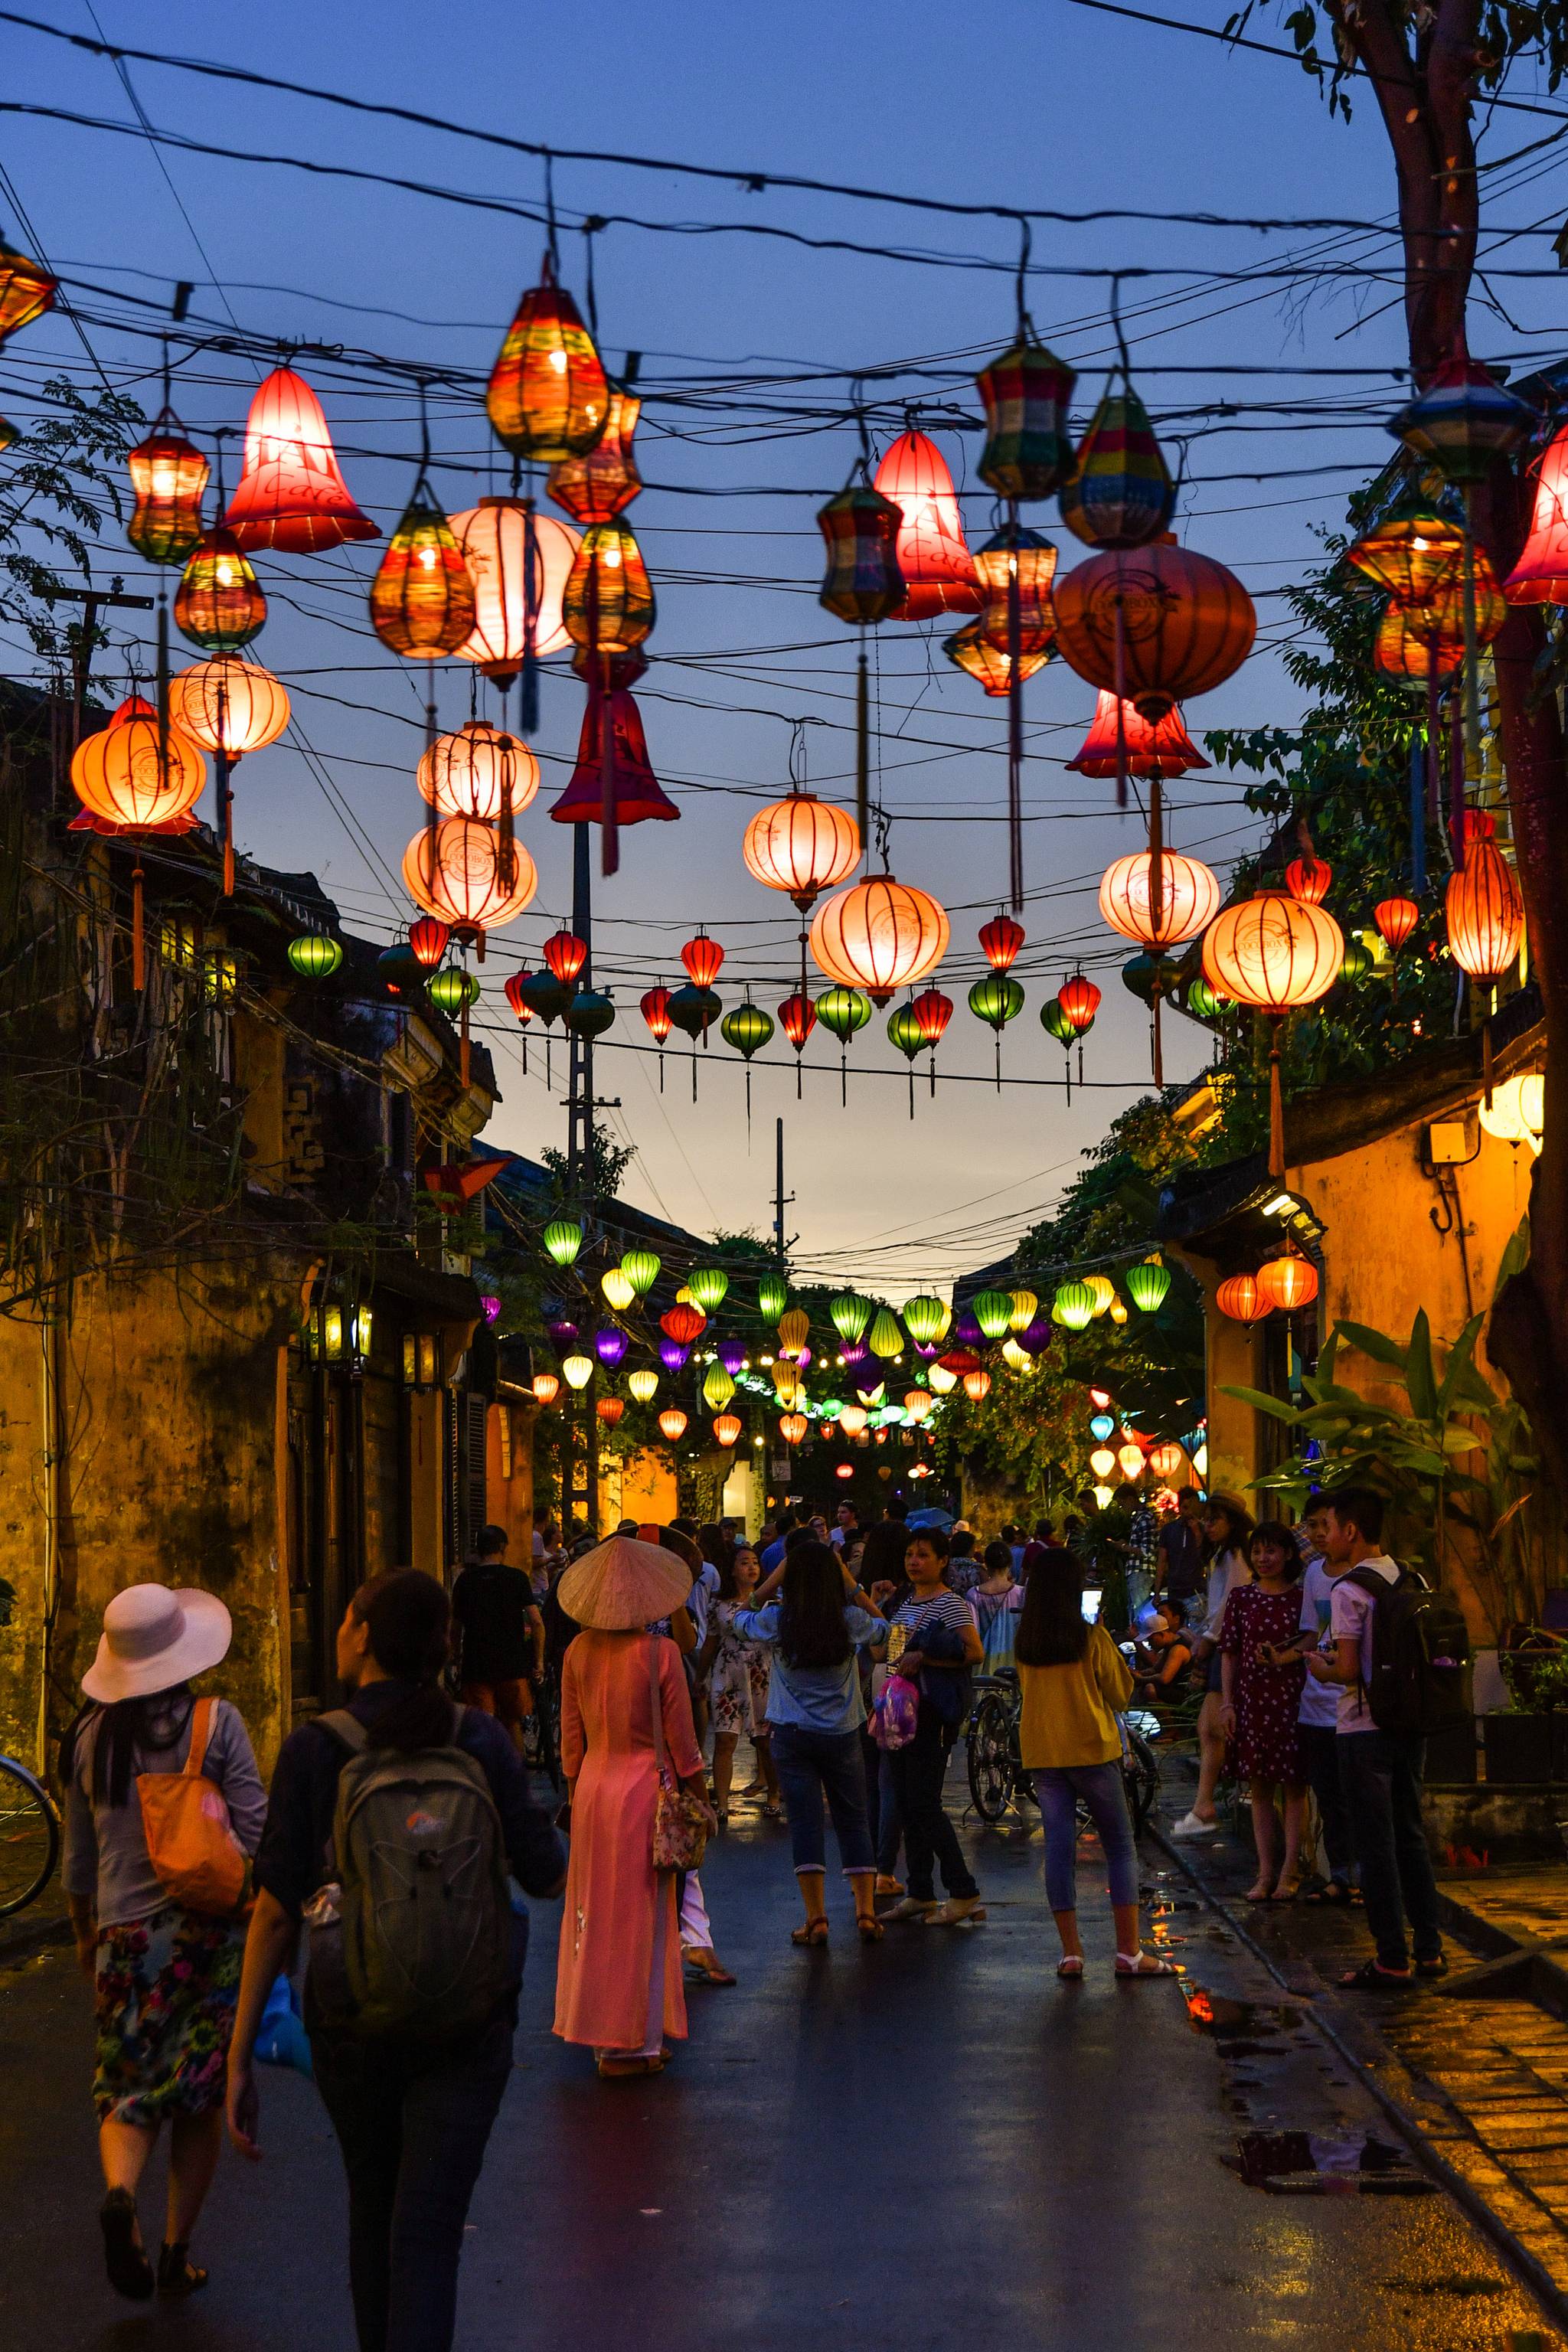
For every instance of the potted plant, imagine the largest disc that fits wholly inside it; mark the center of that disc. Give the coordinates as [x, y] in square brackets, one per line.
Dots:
[1529, 1740]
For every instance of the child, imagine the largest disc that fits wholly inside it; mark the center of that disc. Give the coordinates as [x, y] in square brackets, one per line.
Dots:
[1165, 1654]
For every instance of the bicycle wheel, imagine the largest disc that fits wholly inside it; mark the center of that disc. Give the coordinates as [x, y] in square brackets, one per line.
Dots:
[989, 1756]
[1140, 1777]
[29, 1837]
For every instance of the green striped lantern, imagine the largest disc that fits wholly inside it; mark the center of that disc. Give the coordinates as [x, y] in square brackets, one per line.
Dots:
[747, 1028]
[1054, 1021]
[997, 1000]
[1147, 1285]
[641, 1270]
[850, 1314]
[1074, 1306]
[772, 1297]
[1357, 961]
[452, 989]
[845, 1012]
[1200, 1001]
[562, 1239]
[718, 1388]
[315, 956]
[708, 1284]
[886, 1339]
[992, 1310]
[924, 1319]
[905, 1032]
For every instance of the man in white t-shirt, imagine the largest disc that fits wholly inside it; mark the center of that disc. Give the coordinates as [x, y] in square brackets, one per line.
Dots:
[1380, 1772]
[1317, 1721]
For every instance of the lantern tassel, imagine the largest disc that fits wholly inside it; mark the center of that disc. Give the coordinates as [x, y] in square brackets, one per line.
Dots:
[1418, 766]
[1015, 735]
[463, 1043]
[138, 943]
[862, 743]
[1156, 863]
[998, 1061]
[528, 692]
[506, 831]
[661, 1069]
[1159, 1049]
[1487, 1054]
[1276, 1110]
[694, 1074]
[843, 1079]
[549, 1080]
[1457, 780]
[1120, 712]
[911, 1090]
[226, 818]
[748, 1106]
[933, 1073]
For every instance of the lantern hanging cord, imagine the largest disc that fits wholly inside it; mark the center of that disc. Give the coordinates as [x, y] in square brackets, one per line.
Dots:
[592, 224]
[553, 248]
[1122, 352]
[1025, 246]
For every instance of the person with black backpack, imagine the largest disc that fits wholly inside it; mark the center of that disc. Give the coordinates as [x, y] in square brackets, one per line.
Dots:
[391, 1825]
[1400, 1654]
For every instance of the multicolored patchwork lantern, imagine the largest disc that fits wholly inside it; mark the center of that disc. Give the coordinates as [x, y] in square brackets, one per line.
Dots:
[549, 397]
[1119, 492]
[608, 606]
[422, 598]
[168, 474]
[593, 487]
[1027, 451]
[1463, 421]
[26, 290]
[218, 604]
[860, 528]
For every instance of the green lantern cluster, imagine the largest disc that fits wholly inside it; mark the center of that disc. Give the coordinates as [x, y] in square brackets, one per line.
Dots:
[924, 1317]
[452, 988]
[850, 1314]
[997, 999]
[747, 1028]
[1147, 1285]
[887, 1339]
[1074, 1306]
[641, 1270]
[992, 1310]
[315, 956]
[718, 1388]
[708, 1284]
[772, 1297]
[843, 1011]
[563, 1239]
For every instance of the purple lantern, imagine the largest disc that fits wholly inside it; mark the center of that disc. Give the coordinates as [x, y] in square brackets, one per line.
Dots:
[492, 1310]
[1038, 1338]
[856, 1352]
[672, 1355]
[967, 1333]
[922, 1350]
[561, 1332]
[732, 1355]
[802, 1360]
[609, 1345]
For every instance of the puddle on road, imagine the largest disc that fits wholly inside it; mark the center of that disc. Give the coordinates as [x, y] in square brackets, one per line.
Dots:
[1300, 2164]
[1228, 2021]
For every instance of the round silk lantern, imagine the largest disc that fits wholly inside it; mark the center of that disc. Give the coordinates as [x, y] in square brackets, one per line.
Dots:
[495, 540]
[1274, 954]
[931, 550]
[880, 935]
[802, 846]
[132, 777]
[478, 771]
[1189, 897]
[1237, 1297]
[1180, 623]
[1000, 940]
[229, 705]
[1287, 1282]
[455, 871]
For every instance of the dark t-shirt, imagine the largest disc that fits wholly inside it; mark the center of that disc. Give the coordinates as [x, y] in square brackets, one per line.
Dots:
[1180, 1546]
[291, 1860]
[491, 1605]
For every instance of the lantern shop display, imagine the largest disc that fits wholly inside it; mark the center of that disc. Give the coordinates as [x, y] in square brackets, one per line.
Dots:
[479, 771]
[1156, 625]
[168, 474]
[1119, 492]
[880, 935]
[930, 548]
[1540, 575]
[454, 871]
[549, 397]
[1027, 451]
[422, 598]
[1273, 954]
[291, 495]
[218, 603]
[1136, 747]
[802, 846]
[596, 486]
[518, 561]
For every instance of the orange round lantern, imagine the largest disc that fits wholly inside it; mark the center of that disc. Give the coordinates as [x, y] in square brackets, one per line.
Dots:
[673, 1421]
[168, 474]
[1189, 894]
[1274, 953]
[1540, 575]
[129, 778]
[454, 871]
[549, 398]
[1162, 749]
[494, 540]
[976, 1386]
[792, 1427]
[727, 1429]
[1237, 1297]
[609, 605]
[229, 705]
[1079, 1000]
[1307, 878]
[422, 599]
[1397, 919]
[1287, 1282]
[1183, 622]
[1165, 1460]
[595, 487]
[683, 1322]
[971, 651]
[931, 551]
[703, 958]
[546, 1388]
[802, 846]
[881, 936]
[291, 494]
[611, 1409]
[479, 772]
[1485, 912]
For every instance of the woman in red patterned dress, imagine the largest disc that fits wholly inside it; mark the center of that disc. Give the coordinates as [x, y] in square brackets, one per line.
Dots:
[1260, 1699]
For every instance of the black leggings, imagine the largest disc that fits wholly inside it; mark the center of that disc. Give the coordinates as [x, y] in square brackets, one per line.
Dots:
[930, 1838]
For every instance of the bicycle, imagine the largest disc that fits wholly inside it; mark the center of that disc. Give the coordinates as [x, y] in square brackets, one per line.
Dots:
[29, 1837]
[996, 1774]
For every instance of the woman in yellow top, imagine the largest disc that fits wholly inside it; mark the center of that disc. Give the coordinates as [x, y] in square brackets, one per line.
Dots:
[1075, 1682]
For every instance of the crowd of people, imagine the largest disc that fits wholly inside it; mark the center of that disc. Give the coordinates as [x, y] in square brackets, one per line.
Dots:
[398, 1827]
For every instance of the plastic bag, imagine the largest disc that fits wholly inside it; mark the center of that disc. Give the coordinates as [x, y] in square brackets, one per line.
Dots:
[281, 2039]
[896, 1713]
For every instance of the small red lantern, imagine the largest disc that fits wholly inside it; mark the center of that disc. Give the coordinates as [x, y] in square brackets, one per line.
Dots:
[1237, 1297]
[549, 398]
[1540, 575]
[1001, 939]
[1180, 623]
[516, 999]
[1308, 879]
[1159, 749]
[1397, 919]
[933, 553]
[610, 1409]
[1079, 1000]
[638, 794]
[566, 954]
[1287, 1282]
[291, 494]
[933, 1010]
[428, 938]
[655, 1009]
[797, 1018]
[1484, 911]
[702, 957]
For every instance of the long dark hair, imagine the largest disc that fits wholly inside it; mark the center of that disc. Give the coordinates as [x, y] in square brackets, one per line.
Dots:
[716, 1548]
[408, 1616]
[154, 1724]
[728, 1588]
[1052, 1628]
[812, 1632]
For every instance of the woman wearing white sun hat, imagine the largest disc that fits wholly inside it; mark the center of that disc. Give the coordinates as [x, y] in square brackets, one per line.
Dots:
[165, 1974]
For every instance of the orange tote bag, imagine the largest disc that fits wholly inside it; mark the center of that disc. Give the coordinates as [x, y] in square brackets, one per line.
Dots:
[198, 1861]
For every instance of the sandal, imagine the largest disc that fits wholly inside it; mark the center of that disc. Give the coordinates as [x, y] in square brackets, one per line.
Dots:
[1436, 1967]
[813, 1931]
[773, 1810]
[871, 1929]
[910, 1907]
[176, 2275]
[698, 1972]
[1070, 1968]
[1373, 1977]
[1334, 1891]
[613, 2070]
[886, 1886]
[130, 2271]
[1145, 1964]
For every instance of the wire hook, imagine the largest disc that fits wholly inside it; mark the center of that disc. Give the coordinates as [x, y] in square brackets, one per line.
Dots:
[1122, 354]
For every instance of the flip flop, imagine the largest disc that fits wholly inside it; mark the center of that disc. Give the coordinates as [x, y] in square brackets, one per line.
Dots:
[695, 1974]
[1373, 1977]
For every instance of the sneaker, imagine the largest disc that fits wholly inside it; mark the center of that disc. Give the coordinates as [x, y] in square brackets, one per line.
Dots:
[910, 1907]
[1191, 1825]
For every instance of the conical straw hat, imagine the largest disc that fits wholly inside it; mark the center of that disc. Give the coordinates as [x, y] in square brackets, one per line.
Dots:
[623, 1584]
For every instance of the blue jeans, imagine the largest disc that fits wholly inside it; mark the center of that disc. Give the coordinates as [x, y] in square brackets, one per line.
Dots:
[1058, 1789]
[1380, 1774]
[810, 1766]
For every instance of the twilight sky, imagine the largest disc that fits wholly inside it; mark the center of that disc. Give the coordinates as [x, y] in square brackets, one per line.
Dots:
[749, 344]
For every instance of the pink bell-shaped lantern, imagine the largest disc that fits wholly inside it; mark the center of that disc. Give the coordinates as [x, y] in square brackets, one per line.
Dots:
[638, 791]
[1540, 575]
[292, 495]
[933, 553]
[1158, 748]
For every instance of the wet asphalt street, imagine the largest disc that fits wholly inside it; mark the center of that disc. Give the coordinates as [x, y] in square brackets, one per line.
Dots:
[922, 2146]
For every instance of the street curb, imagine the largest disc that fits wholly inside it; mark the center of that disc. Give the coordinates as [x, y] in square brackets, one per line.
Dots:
[1530, 2271]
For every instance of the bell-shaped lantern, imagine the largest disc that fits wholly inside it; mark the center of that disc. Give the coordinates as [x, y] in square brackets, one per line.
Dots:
[291, 495]
[422, 598]
[638, 791]
[595, 487]
[168, 474]
[26, 290]
[863, 583]
[971, 651]
[457, 872]
[218, 603]
[1540, 575]
[496, 540]
[480, 771]
[134, 776]
[549, 398]
[608, 606]
[931, 551]
[1027, 451]
[1162, 749]
[1119, 492]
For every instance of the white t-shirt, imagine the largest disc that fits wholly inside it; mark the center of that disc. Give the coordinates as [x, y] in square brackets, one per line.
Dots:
[1227, 1571]
[1349, 1618]
[1320, 1701]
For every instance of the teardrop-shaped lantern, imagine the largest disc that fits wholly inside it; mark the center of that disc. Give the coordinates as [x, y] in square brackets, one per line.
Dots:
[747, 1028]
[494, 540]
[26, 290]
[1162, 749]
[802, 846]
[1027, 451]
[566, 954]
[880, 935]
[710, 1285]
[863, 583]
[654, 1006]
[931, 551]
[885, 1338]
[1395, 919]
[454, 871]
[1307, 878]
[797, 1018]
[291, 495]
[422, 599]
[933, 1010]
[850, 1314]
[1184, 622]
[218, 604]
[429, 940]
[168, 474]
[971, 650]
[1189, 897]
[1540, 575]
[595, 487]
[1080, 1000]
[1148, 1285]
[133, 776]
[228, 705]
[1485, 912]
[1119, 492]
[549, 398]
[638, 793]
[608, 607]
[703, 958]
[695, 1010]
[672, 1422]
[479, 770]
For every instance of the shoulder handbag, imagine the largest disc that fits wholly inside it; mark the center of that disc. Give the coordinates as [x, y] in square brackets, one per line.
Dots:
[679, 1826]
[196, 1856]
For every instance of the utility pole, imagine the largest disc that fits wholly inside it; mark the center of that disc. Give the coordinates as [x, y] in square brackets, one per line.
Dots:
[580, 1079]
[781, 1198]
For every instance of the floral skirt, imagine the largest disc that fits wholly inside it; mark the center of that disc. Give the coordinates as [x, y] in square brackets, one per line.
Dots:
[166, 1989]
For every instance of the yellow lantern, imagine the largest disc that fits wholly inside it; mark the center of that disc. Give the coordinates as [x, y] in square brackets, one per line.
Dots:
[941, 1379]
[617, 1289]
[1103, 1497]
[1104, 1292]
[644, 1386]
[1025, 1305]
[579, 1371]
[1018, 1358]
[853, 1419]
[1102, 1462]
[1517, 1111]
[793, 1329]
[1129, 1459]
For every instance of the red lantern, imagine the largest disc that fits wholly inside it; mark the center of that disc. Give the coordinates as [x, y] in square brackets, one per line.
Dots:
[1397, 919]
[1189, 896]
[800, 845]
[549, 398]
[1162, 749]
[933, 1010]
[610, 1409]
[727, 1429]
[1484, 911]
[933, 553]
[518, 1001]
[1237, 1297]
[428, 938]
[655, 1008]
[860, 529]
[596, 486]
[1540, 575]
[1001, 939]
[684, 1323]
[1079, 1000]
[565, 955]
[291, 494]
[1287, 1282]
[638, 793]
[1307, 878]
[797, 1018]
[1180, 623]
[702, 957]
[879, 935]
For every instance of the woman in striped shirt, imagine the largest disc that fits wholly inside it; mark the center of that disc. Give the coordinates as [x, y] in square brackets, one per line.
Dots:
[933, 1641]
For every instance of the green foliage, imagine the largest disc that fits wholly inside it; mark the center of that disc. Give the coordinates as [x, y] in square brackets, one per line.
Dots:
[62, 482]
[607, 1164]
[1509, 31]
